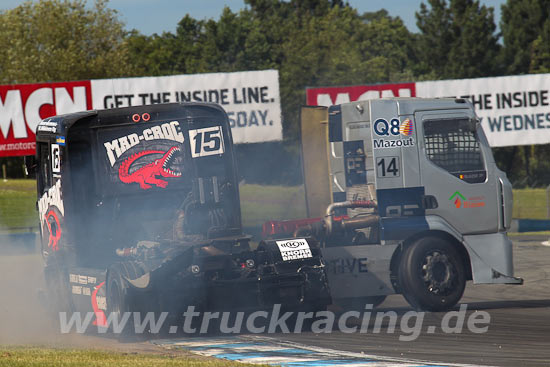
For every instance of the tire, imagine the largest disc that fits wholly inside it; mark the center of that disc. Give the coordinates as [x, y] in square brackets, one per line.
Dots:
[432, 274]
[118, 297]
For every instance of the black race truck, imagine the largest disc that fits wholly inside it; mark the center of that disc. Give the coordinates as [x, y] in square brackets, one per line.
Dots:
[139, 211]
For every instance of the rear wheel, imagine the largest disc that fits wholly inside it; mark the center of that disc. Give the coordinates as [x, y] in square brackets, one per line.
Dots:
[119, 303]
[432, 274]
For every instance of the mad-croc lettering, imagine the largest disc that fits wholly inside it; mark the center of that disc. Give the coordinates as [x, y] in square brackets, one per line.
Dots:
[167, 131]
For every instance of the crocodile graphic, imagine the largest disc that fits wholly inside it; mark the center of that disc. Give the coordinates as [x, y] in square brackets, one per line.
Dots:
[146, 176]
[54, 229]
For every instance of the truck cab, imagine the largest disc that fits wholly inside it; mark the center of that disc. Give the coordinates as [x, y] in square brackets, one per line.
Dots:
[415, 203]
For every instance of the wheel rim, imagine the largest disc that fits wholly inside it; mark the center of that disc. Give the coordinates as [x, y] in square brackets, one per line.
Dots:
[438, 273]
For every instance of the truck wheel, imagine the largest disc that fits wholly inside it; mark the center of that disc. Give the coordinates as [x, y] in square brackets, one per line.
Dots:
[432, 274]
[118, 299]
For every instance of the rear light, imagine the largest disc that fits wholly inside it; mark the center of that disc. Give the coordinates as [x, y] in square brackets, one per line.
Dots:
[136, 117]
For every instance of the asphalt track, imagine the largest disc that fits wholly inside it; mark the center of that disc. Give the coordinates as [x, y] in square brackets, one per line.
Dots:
[518, 332]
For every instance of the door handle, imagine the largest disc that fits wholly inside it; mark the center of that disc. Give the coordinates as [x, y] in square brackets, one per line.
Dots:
[429, 202]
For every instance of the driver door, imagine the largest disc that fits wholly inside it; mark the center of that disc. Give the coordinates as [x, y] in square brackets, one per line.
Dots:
[454, 170]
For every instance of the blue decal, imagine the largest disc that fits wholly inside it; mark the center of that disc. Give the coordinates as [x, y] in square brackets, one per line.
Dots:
[401, 202]
[402, 212]
[354, 162]
[60, 140]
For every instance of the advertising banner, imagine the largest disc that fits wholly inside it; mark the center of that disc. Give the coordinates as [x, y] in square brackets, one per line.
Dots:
[336, 95]
[251, 99]
[514, 110]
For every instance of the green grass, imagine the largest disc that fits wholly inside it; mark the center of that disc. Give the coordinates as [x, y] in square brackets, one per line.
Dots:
[43, 357]
[18, 204]
[258, 204]
[530, 203]
[520, 234]
[262, 203]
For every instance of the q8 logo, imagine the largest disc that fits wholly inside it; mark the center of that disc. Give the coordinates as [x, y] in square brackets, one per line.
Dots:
[393, 128]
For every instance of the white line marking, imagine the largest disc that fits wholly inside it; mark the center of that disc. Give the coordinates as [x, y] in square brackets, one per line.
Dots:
[341, 353]
[201, 343]
[241, 345]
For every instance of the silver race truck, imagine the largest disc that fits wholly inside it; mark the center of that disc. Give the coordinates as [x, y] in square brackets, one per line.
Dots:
[408, 200]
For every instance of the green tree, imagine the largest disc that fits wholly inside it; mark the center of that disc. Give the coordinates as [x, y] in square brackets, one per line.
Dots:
[54, 40]
[456, 40]
[311, 43]
[342, 48]
[540, 60]
[525, 26]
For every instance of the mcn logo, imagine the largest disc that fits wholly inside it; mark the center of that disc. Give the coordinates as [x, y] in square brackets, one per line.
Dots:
[394, 127]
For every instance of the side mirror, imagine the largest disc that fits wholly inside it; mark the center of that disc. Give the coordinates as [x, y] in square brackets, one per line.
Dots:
[474, 123]
[30, 165]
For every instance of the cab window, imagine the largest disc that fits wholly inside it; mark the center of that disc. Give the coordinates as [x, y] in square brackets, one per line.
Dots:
[45, 172]
[453, 145]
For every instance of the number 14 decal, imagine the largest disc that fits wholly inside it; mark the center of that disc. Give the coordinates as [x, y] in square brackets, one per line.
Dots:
[207, 141]
[387, 167]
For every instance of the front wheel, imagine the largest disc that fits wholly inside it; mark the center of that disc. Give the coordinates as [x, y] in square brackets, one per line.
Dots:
[432, 274]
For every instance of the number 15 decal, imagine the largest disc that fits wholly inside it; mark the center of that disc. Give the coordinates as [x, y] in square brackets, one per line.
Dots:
[207, 141]
[387, 167]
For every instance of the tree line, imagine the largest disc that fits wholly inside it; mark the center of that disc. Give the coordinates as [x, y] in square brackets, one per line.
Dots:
[311, 42]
